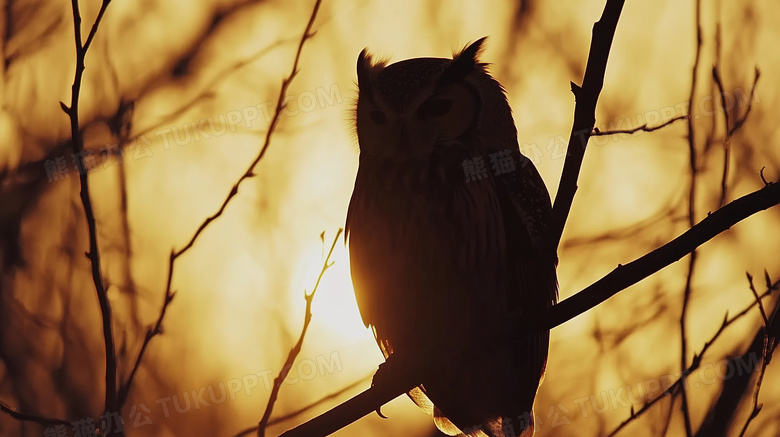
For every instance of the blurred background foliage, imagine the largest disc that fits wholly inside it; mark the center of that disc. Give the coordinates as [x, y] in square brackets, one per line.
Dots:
[183, 92]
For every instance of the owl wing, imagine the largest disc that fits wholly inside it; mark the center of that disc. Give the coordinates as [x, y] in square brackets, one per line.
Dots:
[527, 211]
[526, 208]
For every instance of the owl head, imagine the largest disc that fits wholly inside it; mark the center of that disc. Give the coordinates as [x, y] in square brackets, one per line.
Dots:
[412, 108]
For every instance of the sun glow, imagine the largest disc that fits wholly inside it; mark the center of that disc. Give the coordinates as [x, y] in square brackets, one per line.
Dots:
[334, 305]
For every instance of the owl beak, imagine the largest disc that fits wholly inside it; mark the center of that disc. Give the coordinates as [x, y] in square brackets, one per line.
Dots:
[403, 136]
[409, 144]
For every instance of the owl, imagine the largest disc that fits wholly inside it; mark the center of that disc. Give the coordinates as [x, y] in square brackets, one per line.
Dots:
[445, 229]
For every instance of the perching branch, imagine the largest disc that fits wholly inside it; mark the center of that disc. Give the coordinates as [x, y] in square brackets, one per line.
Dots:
[169, 294]
[584, 116]
[77, 143]
[297, 348]
[334, 395]
[627, 275]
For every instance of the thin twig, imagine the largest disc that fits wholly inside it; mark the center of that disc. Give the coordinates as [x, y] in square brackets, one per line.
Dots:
[727, 140]
[169, 294]
[644, 128]
[741, 120]
[697, 359]
[758, 300]
[44, 421]
[694, 171]
[766, 353]
[77, 143]
[326, 264]
[584, 117]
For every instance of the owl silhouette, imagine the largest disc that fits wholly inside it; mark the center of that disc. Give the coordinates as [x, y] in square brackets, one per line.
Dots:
[445, 230]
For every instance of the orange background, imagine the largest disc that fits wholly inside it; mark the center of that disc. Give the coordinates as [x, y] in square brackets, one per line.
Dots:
[239, 304]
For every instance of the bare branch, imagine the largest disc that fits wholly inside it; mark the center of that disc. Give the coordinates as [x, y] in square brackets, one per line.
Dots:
[626, 275]
[44, 421]
[697, 359]
[169, 294]
[584, 116]
[694, 172]
[770, 340]
[644, 128]
[110, 404]
[741, 120]
[297, 348]
[758, 300]
[726, 141]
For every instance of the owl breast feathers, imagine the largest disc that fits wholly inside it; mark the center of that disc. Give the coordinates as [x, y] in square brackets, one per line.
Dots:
[445, 232]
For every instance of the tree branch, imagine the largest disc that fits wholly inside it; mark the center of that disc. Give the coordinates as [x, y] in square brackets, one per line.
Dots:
[696, 362]
[584, 116]
[624, 276]
[44, 421]
[771, 330]
[110, 404]
[305, 408]
[694, 173]
[644, 128]
[297, 348]
[169, 294]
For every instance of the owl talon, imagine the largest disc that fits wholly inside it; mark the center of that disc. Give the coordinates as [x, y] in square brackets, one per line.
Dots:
[379, 413]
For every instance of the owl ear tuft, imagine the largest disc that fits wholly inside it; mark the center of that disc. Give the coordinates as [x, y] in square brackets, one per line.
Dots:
[464, 62]
[364, 69]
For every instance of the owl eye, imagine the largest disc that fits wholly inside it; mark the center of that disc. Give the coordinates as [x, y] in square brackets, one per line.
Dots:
[379, 117]
[434, 108]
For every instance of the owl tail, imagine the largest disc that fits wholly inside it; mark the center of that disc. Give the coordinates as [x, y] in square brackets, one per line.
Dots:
[492, 428]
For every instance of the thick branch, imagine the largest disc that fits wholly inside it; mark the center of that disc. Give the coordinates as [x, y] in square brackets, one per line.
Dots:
[626, 275]
[393, 385]
[584, 116]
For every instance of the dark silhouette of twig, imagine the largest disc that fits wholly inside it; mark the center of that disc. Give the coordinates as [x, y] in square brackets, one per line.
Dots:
[291, 415]
[297, 348]
[584, 117]
[694, 172]
[44, 421]
[727, 140]
[644, 128]
[768, 347]
[93, 254]
[697, 358]
[729, 129]
[169, 294]
[741, 120]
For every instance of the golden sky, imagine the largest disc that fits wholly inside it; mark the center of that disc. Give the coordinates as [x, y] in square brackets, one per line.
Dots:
[203, 78]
